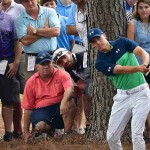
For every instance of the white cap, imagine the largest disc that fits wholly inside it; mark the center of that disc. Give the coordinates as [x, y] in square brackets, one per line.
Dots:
[59, 53]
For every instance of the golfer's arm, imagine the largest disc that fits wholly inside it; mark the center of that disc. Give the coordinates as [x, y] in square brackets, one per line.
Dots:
[126, 69]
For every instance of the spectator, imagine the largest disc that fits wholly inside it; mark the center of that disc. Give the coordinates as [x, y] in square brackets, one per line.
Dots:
[139, 28]
[10, 54]
[47, 98]
[78, 26]
[139, 31]
[73, 64]
[63, 7]
[14, 9]
[116, 59]
[37, 29]
[63, 40]
[71, 29]
[130, 8]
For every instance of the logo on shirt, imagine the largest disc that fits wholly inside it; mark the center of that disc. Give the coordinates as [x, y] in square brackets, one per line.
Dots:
[91, 33]
[118, 50]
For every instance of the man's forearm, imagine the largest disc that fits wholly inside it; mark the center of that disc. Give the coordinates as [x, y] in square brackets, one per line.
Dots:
[18, 51]
[145, 58]
[143, 54]
[48, 32]
[27, 116]
[68, 94]
[126, 69]
[130, 69]
[71, 30]
[29, 39]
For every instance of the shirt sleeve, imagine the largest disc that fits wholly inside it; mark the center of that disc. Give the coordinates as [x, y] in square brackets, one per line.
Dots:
[129, 44]
[71, 37]
[53, 18]
[71, 17]
[66, 80]
[21, 28]
[28, 101]
[105, 67]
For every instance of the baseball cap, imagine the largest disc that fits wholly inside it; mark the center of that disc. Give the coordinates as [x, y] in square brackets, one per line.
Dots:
[94, 33]
[43, 57]
[59, 53]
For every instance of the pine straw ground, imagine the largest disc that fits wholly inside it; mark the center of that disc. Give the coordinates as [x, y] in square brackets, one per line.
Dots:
[71, 142]
[74, 142]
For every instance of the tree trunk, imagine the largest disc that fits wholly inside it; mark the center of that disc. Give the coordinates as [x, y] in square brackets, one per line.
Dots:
[110, 16]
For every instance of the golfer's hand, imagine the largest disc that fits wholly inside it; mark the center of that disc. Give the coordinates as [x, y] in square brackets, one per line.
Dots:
[144, 69]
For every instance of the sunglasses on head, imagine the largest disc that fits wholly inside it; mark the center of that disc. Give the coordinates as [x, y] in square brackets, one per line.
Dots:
[58, 55]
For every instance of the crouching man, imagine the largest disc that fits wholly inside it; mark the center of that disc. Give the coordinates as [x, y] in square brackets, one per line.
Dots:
[47, 100]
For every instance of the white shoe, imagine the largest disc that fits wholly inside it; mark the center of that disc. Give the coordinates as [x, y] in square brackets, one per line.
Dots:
[58, 132]
[80, 130]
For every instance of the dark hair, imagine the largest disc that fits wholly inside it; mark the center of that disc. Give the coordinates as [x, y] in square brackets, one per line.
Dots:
[45, 1]
[136, 15]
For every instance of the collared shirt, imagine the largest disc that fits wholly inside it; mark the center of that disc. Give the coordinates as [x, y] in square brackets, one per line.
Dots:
[121, 54]
[39, 94]
[63, 39]
[14, 9]
[77, 71]
[44, 43]
[62, 9]
[7, 35]
[129, 11]
[81, 25]
[71, 21]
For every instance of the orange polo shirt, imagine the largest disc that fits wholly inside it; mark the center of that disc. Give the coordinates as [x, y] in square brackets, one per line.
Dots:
[39, 93]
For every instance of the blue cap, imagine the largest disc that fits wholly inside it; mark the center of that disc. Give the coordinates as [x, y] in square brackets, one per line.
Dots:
[94, 33]
[43, 57]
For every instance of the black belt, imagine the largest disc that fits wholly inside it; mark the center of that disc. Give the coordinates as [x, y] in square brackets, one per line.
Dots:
[6, 58]
[32, 54]
[79, 43]
[10, 59]
[35, 54]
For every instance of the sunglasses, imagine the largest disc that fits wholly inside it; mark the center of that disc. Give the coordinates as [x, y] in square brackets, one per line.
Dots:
[58, 56]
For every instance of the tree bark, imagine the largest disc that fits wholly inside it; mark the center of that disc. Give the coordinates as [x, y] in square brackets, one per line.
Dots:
[110, 16]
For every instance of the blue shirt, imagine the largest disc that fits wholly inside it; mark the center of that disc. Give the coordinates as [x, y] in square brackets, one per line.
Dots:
[44, 43]
[129, 12]
[63, 39]
[71, 21]
[63, 10]
[7, 36]
[121, 54]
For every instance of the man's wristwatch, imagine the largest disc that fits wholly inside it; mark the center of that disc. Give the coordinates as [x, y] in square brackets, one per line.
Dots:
[34, 31]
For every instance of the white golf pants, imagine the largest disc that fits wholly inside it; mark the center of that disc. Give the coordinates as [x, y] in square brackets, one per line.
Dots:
[133, 103]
